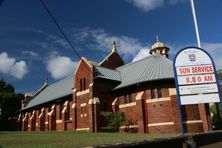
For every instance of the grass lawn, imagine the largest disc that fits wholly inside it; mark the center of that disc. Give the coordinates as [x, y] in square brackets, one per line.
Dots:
[70, 139]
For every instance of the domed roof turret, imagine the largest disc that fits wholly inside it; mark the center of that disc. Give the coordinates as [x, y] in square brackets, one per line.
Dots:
[158, 44]
[159, 48]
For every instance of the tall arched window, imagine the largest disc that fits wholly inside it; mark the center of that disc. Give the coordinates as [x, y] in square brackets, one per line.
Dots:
[84, 83]
[80, 84]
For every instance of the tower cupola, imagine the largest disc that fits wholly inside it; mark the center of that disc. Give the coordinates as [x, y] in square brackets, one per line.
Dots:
[159, 48]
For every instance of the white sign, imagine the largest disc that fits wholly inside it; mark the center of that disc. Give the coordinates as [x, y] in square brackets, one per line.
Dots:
[198, 99]
[195, 75]
[198, 89]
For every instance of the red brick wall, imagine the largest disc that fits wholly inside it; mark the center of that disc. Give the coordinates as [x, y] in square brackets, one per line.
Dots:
[82, 112]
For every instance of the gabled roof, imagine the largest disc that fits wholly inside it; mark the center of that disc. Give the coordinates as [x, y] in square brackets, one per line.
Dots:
[155, 67]
[105, 73]
[55, 91]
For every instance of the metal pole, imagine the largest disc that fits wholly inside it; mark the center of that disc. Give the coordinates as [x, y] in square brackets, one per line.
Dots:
[195, 23]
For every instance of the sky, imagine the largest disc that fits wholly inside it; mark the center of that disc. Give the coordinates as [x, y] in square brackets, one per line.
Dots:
[32, 48]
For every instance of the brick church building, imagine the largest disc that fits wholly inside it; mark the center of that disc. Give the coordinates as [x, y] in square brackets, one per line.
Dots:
[143, 90]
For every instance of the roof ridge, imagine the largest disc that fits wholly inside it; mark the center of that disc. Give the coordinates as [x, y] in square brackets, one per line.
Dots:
[140, 60]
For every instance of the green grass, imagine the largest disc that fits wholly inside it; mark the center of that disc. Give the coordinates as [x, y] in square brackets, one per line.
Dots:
[70, 139]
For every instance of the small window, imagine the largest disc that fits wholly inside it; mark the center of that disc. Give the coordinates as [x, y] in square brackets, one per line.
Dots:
[84, 83]
[159, 92]
[80, 84]
[152, 93]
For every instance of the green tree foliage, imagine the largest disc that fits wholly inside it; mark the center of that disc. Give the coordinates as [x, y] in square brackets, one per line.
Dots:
[113, 120]
[9, 105]
[216, 116]
[219, 73]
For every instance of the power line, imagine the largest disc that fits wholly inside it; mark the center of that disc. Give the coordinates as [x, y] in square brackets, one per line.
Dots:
[59, 27]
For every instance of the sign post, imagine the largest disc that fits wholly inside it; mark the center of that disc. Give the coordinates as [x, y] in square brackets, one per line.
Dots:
[196, 79]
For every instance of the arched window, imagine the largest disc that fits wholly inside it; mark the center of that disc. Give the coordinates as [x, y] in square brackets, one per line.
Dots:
[84, 83]
[152, 93]
[159, 93]
[80, 85]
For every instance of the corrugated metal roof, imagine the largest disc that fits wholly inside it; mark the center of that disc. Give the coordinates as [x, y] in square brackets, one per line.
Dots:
[106, 73]
[154, 67]
[52, 92]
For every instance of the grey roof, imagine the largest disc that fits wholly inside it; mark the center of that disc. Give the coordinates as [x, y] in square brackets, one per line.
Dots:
[154, 67]
[52, 92]
[106, 73]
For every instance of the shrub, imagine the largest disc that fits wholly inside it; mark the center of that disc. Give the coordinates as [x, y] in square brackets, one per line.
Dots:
[113, 120]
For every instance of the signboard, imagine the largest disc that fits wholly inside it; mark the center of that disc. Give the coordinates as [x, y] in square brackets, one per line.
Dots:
[195, 77]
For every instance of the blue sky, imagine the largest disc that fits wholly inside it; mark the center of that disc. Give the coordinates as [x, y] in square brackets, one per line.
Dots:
[32, 48]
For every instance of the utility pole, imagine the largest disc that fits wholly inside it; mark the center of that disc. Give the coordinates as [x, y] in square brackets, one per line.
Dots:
[195, 23]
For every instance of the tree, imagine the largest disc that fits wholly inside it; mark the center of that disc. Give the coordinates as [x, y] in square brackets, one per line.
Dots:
[113, 120]
[9, 105]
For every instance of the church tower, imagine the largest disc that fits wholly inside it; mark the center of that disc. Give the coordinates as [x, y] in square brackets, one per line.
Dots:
[159, 48]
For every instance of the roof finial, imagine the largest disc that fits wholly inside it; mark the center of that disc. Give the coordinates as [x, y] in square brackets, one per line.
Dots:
[157, 38]
[46, 81]
[114, 47]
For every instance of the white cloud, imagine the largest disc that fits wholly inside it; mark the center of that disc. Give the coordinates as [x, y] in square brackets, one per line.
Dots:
[148, 5]
[215, 51]
[12, 67]
[30, 53]
[141, 54]
[100, 40]
[60, 66]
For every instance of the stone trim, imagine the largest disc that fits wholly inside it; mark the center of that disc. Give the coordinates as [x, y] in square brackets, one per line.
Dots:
[50, 113]
[139, 95]
[172, 91]
[80, 93]
[83, 104]
[82, 129]
[29, 125]
[95, 100]
[66, 103]
[192, 121]
[40, 116]
[157, 100]
[74, 90]
[33, 113]
[114, 102]
[160, 124]
[64, 109]
[74, 105]
[58, 121]
[26, 114]
[46, 122]
[19, 117]
[127, 105]
[130, 126]
[82, 59]
[36, 124]
[91, 84]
